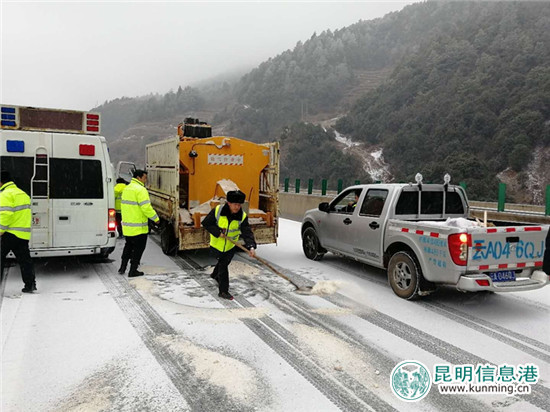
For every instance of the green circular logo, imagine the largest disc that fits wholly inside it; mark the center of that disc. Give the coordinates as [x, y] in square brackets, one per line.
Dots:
[410, 381]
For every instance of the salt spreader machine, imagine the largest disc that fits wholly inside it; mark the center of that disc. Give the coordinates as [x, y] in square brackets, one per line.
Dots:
[191, 173]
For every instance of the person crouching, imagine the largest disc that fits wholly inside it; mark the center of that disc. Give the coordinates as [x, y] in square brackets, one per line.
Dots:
[228, 222]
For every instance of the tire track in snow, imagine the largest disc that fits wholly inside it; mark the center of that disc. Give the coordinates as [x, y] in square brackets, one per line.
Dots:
[344, 391]
[149, 325]
[540, 395]
[502, 334]
[295, 307]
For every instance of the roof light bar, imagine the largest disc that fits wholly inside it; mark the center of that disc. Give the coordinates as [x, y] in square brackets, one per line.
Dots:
[54, 120]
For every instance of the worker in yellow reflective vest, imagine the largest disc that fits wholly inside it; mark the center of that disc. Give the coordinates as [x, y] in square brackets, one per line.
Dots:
[119, 187]
[136, 211]
[15, 229]
[223, 222]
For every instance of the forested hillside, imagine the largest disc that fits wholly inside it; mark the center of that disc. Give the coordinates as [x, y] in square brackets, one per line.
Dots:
[474, 101]
[458, 87]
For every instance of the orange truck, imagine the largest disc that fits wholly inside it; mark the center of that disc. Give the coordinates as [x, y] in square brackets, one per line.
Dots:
[191, 173]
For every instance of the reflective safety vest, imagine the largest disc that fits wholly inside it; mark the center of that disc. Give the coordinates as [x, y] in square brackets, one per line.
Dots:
[15, 211]
[233, 231]
[119, 187]
[136, 209]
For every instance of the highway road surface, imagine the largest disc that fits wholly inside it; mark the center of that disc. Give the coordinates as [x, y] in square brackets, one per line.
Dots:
[93, 340]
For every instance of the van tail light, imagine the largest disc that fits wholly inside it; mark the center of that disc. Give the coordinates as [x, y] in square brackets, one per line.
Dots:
[458, 247]
[111, 225]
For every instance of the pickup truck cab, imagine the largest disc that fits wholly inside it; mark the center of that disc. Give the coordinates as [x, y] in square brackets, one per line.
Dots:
[420, 233]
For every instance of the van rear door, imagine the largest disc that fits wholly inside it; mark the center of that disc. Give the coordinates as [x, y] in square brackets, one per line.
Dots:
[78, 188]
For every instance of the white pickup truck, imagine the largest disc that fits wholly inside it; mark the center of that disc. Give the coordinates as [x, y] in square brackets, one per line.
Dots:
[421, 235]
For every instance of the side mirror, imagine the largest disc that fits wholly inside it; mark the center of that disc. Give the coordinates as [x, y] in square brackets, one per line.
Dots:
[324, 207]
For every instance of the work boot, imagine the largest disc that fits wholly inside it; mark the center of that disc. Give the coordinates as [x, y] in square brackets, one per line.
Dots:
[28, 289]
[225, 295]
[134, 272]
[122, 268]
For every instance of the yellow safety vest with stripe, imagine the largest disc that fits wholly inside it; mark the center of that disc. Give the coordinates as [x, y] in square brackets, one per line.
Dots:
[15, 211]
[233, 231]
[119, 187]
[136, 209]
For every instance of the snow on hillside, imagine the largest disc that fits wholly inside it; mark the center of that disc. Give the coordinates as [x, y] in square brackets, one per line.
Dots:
[371, 157]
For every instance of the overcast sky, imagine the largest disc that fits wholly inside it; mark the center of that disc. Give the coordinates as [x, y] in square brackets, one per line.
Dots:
[76, 55]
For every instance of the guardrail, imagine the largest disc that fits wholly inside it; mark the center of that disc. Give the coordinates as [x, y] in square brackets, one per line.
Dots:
[500, 205]
[293, 205]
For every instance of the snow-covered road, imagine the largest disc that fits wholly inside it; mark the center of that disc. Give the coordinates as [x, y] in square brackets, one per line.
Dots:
[92, 340]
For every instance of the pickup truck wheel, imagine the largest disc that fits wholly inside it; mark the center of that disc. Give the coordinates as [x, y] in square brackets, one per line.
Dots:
[168, 242]
[404, 275]
[310, 245]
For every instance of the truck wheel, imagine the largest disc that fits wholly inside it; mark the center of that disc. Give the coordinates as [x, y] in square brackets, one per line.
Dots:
[310, 245]
[168, 241]
[404, 275]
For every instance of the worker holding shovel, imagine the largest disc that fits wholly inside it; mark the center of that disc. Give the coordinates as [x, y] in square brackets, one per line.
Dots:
[226, 224]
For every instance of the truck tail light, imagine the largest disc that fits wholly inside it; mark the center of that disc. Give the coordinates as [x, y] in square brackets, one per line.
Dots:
[458, 247]
[482, 282]
[111, 225]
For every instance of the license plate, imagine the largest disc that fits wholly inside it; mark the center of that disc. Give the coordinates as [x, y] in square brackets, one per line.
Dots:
[503, 276]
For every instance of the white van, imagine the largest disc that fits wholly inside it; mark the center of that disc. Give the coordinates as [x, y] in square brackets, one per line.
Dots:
[59, 159]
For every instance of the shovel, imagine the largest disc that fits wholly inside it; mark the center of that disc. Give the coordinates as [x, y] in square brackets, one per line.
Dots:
[302, 290]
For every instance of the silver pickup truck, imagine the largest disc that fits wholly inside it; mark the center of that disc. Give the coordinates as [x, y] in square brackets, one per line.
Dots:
[420, 233]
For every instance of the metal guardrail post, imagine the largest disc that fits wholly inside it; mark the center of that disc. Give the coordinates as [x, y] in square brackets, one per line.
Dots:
[286, 184]
[324, 187]
[463, 185]
[547, 210]
[340, 185]
[310, 186]
[297, 186]
[501, 196]
[357, 182]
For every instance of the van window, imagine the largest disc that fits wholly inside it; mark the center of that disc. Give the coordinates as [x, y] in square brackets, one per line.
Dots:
[21, 170]
[75, 179]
